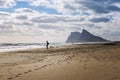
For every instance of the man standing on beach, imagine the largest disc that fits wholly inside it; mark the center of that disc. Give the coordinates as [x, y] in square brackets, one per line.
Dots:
[47, 43]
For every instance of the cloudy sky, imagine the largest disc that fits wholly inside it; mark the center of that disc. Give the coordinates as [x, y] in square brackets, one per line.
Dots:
[54, 20]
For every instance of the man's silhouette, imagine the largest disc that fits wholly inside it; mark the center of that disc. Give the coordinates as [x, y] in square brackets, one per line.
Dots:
[47, 43]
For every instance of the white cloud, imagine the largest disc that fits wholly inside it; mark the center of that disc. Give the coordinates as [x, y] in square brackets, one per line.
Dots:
[62, 6]
[7, 3]
[46, 24]
[4, 13]
[27, 22]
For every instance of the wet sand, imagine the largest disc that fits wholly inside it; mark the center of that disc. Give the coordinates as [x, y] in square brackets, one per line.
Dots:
[71, 62]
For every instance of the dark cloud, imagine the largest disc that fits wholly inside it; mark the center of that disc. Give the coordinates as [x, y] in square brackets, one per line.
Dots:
[45, 26]
[100, 6]
[68, 19]
[27, 23]
[52, 27]
[2, 2]
[110, 1]
[22, 17]
[113, 8]
[55, 19]
[44, 20]
[91, 26]
[24, 23]
[97, 20]
[68, 6]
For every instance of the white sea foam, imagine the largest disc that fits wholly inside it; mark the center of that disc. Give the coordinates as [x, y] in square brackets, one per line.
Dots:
[6, 47]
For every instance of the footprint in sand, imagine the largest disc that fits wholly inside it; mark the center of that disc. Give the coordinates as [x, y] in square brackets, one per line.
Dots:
[68, 62]
[41, 67]
[84, 67]
[114, 78]
[49, 64]
[25, 72]
[85, 61]
[58, 61]
[40, 60]
[33, 70]
[9, 68]
[83, 51]
[36, 69]
[36, 66]
[10, 78]
[18, 75]
[29, 70]
[2, 66]
[80, 61]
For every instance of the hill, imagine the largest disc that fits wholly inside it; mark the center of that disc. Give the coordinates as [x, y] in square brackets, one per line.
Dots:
[85, 36]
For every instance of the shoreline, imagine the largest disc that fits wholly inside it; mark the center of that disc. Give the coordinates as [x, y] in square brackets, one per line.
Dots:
[53, 45]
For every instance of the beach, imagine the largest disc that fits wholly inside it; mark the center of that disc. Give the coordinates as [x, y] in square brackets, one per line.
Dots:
[67, 62]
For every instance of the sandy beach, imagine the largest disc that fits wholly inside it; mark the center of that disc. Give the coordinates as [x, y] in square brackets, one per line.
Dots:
[70, 62]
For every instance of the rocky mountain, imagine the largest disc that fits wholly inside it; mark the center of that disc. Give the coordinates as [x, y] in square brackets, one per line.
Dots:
[85, 36]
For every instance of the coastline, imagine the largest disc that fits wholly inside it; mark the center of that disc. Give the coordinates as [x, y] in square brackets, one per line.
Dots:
[66, 62]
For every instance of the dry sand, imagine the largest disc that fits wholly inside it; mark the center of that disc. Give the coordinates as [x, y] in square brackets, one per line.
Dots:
[75, 62]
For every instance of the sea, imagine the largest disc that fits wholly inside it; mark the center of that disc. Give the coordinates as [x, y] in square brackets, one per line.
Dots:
[7, 47]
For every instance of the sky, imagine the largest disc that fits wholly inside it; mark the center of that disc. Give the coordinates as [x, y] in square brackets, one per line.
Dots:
[35, 21]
